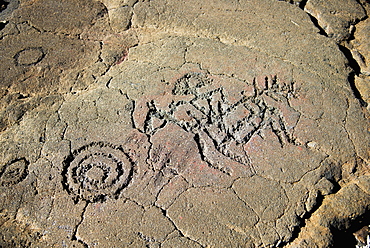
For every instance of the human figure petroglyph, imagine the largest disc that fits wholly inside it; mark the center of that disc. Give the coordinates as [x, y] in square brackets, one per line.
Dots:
[221, 127]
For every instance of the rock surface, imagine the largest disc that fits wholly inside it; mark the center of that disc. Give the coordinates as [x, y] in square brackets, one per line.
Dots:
[336, 18]
[181, 124]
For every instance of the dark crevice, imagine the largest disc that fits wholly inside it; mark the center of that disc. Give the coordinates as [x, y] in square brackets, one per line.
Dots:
[103, 12]
[3, 5]
[306, 217]
[316, 23]
[295, 232]
[129, 24]
[319, 202]
[351, 77]
[345, 238]
[164, 211]
[74, 235]
[352, 31]
[302, 4]
[347, 53]
[2, 25]
[363, 5]
[197, 140]
[351, 61]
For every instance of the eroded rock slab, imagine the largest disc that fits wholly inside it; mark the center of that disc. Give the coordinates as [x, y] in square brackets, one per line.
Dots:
[203, 134]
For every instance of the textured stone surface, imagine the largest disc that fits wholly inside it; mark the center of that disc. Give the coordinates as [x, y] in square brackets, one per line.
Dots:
[336, 17]
[360, 47]
[337, 212]
[179, 124]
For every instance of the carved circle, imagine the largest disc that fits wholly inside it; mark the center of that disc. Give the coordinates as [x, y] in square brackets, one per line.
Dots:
[29, 56]
[14, 172]
[96, 171]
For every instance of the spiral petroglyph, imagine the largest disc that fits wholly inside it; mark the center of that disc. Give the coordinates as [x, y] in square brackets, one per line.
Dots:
[96, 171]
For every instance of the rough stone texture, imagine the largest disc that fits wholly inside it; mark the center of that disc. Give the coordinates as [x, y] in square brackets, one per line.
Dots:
[338, 212]
[7, 8]
[37, 52]
[360, 47]
[336, 17]
[67, 17]
[178, 124]
[363, 85]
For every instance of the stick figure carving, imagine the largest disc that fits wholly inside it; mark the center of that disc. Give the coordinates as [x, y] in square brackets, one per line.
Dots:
[222, 127]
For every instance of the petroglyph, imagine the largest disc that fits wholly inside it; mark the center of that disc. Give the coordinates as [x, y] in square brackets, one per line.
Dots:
[96, 171]
[223, 124]
[14, 172]
[29, 56]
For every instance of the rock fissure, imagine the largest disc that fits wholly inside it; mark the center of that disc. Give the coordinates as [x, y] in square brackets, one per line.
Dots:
[75, 235]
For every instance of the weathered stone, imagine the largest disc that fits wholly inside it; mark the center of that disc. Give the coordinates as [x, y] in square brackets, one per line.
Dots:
[337, 16]
[363, 182]
[170, 124]
[41, 73]
[120, 18]
[269, 206]
[111, 4]
[180, 242]
[338, 211]
[204, 216]
[7, 8]
[171, 191]
[67, 17]
[155, 227]
[111, 224]
[363, 85]
[360, 47]
[325, 186]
